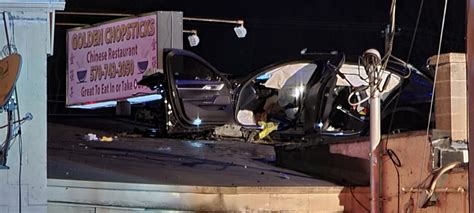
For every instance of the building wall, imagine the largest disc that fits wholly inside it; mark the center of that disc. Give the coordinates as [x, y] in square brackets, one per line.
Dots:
[416, 166]
[30, 35]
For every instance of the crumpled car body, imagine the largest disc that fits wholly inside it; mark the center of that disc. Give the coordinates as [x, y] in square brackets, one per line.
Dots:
[305, 97]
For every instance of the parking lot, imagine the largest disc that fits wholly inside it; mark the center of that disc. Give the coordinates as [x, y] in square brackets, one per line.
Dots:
[133, 159]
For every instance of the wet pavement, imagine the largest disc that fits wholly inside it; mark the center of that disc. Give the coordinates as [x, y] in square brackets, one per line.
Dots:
[161, 160]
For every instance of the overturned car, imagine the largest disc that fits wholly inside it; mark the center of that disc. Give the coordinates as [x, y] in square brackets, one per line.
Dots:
[312, 96]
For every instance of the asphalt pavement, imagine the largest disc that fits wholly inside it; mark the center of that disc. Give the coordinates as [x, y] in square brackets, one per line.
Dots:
[160, 160]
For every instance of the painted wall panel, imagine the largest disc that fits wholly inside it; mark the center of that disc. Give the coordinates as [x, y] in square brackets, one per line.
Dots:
[30, 36]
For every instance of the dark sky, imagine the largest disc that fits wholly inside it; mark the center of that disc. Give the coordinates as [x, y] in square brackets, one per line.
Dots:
[279, 29]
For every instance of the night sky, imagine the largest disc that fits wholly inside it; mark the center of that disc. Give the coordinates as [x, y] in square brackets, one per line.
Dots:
[280, 29]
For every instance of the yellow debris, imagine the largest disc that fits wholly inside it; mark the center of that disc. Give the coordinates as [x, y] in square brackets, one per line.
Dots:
[106, 139]
[268, 127]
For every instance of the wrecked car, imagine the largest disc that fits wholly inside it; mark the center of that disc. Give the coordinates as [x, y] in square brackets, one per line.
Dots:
[314, 95]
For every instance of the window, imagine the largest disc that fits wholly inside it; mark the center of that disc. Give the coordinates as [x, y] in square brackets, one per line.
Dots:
[188, 68]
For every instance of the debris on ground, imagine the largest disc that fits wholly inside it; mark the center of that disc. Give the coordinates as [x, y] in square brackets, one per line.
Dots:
[83, 145]
[91, 137]
[229, 130]
[106, 139]
[268, 127]
[167, 149]
[284, 176]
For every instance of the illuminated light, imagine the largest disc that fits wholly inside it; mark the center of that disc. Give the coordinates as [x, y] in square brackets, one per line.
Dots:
[197, 121]
[193, 40]
[320, 125]
[143, 99]
[240, 31]
[303, 51]
[265, 76]
[108, 104]
[96, 105]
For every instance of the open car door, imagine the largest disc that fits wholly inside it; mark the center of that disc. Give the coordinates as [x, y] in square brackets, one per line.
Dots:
[327, 106]
[320, 97]
[337, 101]
[286, 93]
[198, 97]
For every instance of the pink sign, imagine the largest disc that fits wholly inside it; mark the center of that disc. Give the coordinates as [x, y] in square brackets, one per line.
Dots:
[105, 62]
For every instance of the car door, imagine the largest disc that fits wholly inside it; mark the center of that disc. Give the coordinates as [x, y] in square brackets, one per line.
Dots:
[198, 97]
[334, 104]
[321, 95]
[278, 92]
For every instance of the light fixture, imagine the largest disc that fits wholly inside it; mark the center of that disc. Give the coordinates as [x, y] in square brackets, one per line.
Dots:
[240, 31]
[193, 38]
[303, 51]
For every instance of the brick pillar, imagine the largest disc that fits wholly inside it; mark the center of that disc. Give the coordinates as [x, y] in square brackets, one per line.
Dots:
[451, 95]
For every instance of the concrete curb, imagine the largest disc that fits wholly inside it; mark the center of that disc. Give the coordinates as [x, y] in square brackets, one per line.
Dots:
[196, 198]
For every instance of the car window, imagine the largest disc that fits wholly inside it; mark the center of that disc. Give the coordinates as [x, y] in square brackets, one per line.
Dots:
[188, 68]
[275, 95]
[349, 108]
[356, 76]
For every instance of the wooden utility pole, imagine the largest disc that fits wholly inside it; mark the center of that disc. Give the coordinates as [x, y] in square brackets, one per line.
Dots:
[470, 90]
